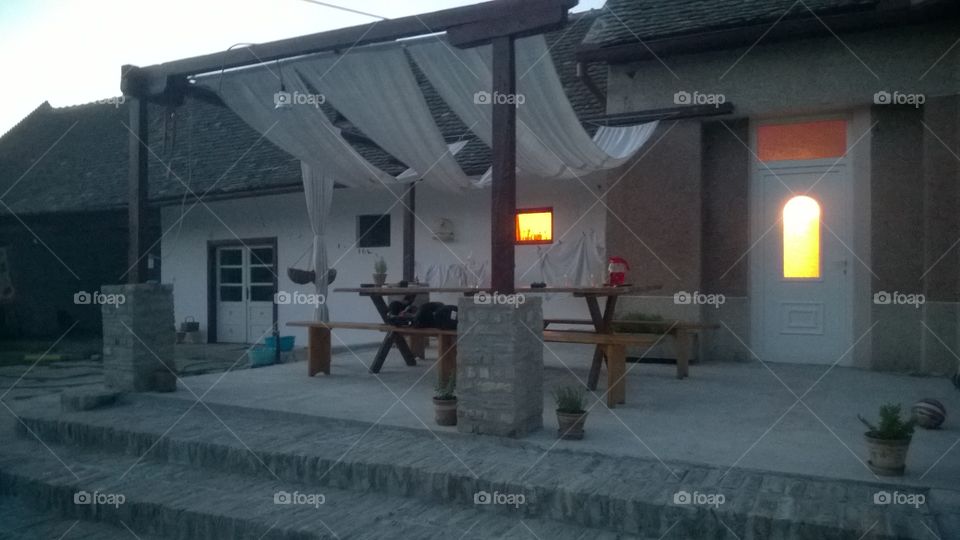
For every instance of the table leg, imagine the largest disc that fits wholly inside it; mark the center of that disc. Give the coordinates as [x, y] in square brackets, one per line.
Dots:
[681, 345]
[447, 351]
[318, 351]
[616, 375]
[418, 345]
[601, 323]
[390, 339]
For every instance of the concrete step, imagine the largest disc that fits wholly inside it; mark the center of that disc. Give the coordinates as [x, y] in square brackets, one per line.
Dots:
[176, 501]
[617, 494]
[22, 521]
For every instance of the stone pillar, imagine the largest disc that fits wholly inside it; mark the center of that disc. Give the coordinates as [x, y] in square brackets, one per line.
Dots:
[500, 367]
[138, 337]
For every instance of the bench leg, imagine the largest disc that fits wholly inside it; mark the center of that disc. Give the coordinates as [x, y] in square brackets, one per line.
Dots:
[595, 368]
[616, 375]
[447, 351]
[318, 351]
[681, 345]
[418, 346]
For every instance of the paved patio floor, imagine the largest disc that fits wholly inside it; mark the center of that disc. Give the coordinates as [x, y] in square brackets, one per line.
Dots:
[779, 417]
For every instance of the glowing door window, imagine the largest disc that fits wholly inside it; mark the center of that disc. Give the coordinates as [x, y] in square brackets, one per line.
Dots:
[801, 238]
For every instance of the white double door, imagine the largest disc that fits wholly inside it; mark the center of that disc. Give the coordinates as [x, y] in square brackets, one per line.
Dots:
[802, 316]
[245, 293]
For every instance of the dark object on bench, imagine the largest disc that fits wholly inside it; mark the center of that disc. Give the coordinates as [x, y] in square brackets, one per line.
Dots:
[302, 277]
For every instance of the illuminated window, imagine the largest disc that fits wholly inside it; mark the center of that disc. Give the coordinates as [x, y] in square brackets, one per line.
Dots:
[535, 226]
[807, 140]
[801, 238]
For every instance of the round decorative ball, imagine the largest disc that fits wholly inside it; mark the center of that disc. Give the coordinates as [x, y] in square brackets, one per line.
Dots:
[929, 413]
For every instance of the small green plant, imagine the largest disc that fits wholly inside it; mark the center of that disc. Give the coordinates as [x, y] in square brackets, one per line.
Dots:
[379, 266]
[633, 323]
[445, 391]
[891, 427]
[570, 399]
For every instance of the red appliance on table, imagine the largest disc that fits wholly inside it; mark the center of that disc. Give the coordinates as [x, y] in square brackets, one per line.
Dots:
[618, 271]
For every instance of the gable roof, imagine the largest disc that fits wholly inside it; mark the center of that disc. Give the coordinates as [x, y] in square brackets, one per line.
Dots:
[204, 148]
[629, 21]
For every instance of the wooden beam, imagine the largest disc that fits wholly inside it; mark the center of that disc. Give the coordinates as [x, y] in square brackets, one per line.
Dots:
[137, 256]
[526, 19]
[503, 206]
[409, 234]
[482, 20]
[669, 113]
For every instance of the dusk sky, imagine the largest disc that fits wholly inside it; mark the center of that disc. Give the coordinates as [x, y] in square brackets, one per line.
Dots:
[69, 52]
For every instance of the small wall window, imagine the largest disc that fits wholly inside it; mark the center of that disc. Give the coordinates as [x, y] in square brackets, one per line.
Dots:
[535, 226]
[801, 238]
[807, 140]
[373, 231]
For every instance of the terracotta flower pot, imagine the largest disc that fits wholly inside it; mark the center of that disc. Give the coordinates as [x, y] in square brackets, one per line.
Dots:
[571, 425]
[379, 279]
[445, 411]
[887, 457]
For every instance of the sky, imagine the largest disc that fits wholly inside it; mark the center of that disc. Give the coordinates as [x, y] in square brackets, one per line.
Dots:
[69, 52]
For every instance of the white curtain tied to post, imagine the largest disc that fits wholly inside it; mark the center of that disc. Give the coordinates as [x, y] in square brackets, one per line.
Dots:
[551, 142]
[318, 188]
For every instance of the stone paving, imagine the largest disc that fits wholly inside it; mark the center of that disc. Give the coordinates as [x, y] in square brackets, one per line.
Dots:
[581, 489]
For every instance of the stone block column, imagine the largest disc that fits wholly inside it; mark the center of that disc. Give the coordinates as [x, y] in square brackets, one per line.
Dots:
[138, 336]
[500, 367]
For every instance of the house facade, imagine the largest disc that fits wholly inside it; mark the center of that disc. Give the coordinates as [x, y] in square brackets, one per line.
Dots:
[846, 114]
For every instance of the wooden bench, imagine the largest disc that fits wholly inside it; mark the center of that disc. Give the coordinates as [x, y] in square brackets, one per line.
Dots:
[319, 344]
[614, 346]
[680, 331]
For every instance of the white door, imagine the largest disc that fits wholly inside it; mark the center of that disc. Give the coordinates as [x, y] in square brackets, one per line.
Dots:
[802, 276]
[245, 277]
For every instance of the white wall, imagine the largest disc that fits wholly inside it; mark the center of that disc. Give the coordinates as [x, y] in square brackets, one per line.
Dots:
[184, 247]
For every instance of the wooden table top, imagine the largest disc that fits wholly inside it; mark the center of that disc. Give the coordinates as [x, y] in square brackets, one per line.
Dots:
[576, 291]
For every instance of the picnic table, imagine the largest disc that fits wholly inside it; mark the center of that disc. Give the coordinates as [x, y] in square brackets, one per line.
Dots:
[600, 318]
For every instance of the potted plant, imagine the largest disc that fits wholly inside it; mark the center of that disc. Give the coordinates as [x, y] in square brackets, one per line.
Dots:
[445, 403]
[379, 272]
[888, 441]
[571, 413]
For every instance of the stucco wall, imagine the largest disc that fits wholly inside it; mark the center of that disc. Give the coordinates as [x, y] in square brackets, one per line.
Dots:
[284, 216]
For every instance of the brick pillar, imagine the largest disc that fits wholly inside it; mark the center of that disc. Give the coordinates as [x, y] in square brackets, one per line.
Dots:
[500, 367]
[138, 337]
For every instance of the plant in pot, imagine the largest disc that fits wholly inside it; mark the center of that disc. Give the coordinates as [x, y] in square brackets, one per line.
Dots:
[571, 413]
[888, 441]
[379, 272]
[445, 403]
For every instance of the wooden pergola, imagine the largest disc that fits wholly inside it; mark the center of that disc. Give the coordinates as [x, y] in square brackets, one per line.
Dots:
[499, 22]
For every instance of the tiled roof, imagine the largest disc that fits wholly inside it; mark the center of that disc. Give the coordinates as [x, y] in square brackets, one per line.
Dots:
[207, 147]
[628, 21]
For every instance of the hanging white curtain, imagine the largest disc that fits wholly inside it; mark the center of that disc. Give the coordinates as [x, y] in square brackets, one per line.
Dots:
[302, 130]
[318, 188]
[551, 142]
[577, 262]
[375, 88]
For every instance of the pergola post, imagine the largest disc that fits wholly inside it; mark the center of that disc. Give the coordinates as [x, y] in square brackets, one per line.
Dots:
[504, 187]
[409, 234]
[137, 212]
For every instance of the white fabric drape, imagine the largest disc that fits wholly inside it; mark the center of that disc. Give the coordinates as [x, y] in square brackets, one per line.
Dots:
[551, 142]
[578, 262]
[302, 130]
[377, 91]
[318, 188]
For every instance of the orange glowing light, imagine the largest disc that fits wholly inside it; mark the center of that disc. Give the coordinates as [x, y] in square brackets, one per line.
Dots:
[807, 140]
[535, 226]
[801, 238]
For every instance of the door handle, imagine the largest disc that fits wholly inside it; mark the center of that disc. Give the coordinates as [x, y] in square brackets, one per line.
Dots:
[843, 264]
